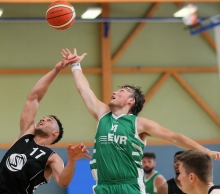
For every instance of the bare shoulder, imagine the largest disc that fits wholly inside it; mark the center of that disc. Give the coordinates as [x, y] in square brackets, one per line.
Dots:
[143, 124]
[103, 109]
[160, 180]
[215, 191]
[54, 158]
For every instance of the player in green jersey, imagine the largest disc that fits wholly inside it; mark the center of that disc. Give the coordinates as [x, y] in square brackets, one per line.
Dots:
[152, 178]
[121, 135]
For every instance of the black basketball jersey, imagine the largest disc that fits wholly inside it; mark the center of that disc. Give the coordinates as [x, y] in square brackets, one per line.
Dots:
[22, 167]
[215, 187]
[173, 188]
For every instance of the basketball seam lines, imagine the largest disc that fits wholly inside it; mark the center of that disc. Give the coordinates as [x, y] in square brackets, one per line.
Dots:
[59, 15]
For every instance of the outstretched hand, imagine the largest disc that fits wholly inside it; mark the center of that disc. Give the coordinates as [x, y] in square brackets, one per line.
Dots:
[67, 60]
[68, 55]
[77, 152]
[215, 155]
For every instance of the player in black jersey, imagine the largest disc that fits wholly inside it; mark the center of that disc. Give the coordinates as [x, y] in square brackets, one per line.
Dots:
[30, 162]
[196, 173]
[172, 186]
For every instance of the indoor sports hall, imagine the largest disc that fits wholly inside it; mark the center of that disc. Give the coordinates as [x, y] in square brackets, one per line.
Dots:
[175, 60]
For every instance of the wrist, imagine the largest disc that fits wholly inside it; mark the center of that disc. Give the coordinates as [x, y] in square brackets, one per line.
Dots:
[72, 161]
[76, 66]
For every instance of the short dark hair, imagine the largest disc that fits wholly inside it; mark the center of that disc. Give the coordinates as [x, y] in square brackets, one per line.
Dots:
[139, 97]
[199, 163]
[149, 155]
[178, 153]
[60, 129]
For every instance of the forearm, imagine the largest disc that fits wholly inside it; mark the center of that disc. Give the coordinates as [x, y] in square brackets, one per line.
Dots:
[67, 174]
[80, 80]
[41, 87]
[187, 143]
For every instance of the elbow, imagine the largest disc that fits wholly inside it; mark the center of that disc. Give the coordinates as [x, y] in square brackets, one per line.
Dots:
[79, 89]
[177, 138]
[32, 97]
[64, 185]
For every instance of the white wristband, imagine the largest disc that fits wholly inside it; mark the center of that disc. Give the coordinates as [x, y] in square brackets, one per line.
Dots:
[75, 66]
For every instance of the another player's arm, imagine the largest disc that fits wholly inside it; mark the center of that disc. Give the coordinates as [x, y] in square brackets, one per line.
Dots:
[63, 175]
[163, 189]
[93, 104]
[159, 181]
[35, 96]
[155, 130]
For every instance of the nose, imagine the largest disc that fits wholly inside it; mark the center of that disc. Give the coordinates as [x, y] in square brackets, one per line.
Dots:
[42, 120]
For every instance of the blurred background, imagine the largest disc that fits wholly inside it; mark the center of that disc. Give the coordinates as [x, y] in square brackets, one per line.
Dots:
[139, 43]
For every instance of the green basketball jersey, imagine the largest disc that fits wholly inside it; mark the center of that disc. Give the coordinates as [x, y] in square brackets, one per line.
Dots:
[149, 183]
[118, 150]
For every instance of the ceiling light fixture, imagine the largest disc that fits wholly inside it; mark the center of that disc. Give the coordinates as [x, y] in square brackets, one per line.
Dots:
[187, 10]
[91, 13]
[1, 12]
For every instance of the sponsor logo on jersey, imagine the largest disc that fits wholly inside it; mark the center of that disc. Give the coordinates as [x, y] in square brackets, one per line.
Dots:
[16, 162]
[110, 138]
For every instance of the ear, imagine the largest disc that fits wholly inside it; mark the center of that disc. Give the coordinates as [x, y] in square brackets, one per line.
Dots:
[55, 133]
[131, 101]
[192, 177]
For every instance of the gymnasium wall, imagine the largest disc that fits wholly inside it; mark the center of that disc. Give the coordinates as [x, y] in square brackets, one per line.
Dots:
[83, 181]
[36, 45]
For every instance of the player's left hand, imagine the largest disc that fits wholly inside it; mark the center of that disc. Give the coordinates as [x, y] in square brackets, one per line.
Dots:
[77, 152]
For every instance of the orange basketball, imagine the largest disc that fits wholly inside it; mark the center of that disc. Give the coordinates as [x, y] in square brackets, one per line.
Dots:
[60, 15]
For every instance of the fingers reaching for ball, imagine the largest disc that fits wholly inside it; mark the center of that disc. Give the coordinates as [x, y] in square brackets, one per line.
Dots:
[77, 152]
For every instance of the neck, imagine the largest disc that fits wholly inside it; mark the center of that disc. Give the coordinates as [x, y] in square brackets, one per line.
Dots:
[202, 188]
[42, 141]
[149, 174]
[119, 111]
[177, 182]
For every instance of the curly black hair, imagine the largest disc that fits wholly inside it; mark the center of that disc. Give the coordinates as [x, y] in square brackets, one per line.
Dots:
[139, 97]
[60, 129]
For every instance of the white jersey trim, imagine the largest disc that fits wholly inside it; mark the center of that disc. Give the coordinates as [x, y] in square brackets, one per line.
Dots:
[137, 135]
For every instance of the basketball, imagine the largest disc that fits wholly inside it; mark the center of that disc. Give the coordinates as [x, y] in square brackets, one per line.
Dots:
[60, 15]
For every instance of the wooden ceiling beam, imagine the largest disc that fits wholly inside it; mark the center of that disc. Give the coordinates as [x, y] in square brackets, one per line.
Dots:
[134, 33]
[116, 70]
[156, 86]
[105, 1]
[179, 4]
[106, 55]
[197, 98]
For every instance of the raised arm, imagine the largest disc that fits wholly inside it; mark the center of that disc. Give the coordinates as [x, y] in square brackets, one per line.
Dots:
[35, 96]
[93, 104]
[153, 129]
[63, 175]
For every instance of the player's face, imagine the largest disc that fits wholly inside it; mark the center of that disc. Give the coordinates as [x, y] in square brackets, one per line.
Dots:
[47, 125]
[176, 165]
[184, 179]
[121, 97]
[148, 164]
